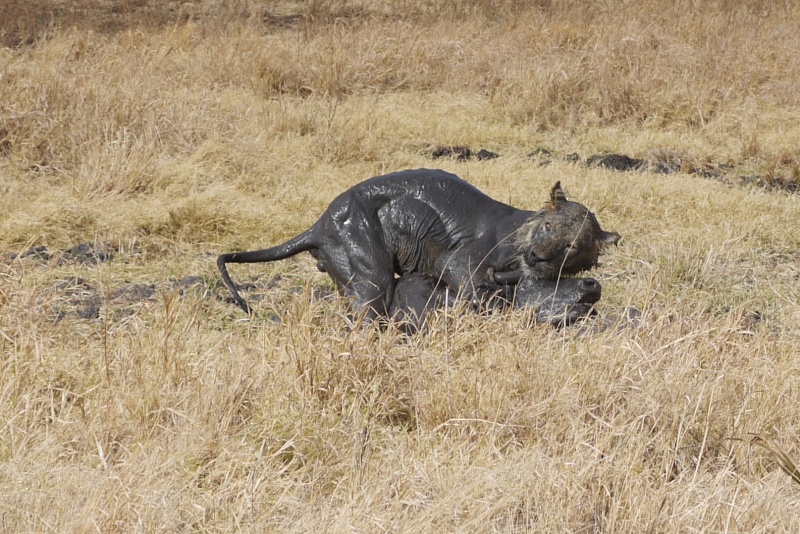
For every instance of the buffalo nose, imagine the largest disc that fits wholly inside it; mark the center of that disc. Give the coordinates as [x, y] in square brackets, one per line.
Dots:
[590, 290]
[532, 258]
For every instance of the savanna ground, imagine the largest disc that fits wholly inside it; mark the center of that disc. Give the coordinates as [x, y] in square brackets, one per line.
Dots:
[134, 397]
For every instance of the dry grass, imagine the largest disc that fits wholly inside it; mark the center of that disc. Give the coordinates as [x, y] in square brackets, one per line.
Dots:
[171, 132]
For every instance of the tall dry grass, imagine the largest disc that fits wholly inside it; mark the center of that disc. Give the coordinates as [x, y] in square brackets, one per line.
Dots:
[173, 132]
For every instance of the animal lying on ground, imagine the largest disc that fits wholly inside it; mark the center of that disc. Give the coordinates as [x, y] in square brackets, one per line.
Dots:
[557, 302]
[434, 223]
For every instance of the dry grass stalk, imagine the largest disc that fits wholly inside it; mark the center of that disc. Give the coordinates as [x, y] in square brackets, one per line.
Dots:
[783, 460]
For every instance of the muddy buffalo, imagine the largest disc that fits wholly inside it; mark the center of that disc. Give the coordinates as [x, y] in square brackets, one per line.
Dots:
[434, 223]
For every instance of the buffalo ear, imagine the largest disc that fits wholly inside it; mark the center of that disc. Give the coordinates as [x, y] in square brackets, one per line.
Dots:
[609, 238]
[557, 196]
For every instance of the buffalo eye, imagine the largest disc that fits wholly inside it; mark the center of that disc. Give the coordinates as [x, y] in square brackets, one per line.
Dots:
[548, 227]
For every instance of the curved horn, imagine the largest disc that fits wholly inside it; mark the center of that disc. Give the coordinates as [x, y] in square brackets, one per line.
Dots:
[557, 195]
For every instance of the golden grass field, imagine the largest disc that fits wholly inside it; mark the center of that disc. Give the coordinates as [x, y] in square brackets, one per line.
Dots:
[165, 133]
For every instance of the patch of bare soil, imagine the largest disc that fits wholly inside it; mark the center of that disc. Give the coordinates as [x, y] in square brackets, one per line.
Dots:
[23, 22]
[77, 297]
[82, 254]
[461, 153]
[781, 172]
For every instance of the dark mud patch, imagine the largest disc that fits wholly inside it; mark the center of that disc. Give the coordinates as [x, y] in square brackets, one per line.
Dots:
[780, 173]
[258, 289]
[189, 284]
[77, 297]
[542, 155]
[74, 296]
[617, 162]
[33, 253]
[82, 254]
[626, 318]
[659, 162]
[461, 153]
[24, 22]
[133, 293]
[86, 254]
[255, 289]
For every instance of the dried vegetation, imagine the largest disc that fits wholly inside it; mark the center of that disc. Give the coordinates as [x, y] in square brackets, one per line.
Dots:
[157, 134]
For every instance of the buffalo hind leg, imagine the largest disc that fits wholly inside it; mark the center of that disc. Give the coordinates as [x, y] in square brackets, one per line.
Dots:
[356, 257]
[367, 282]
